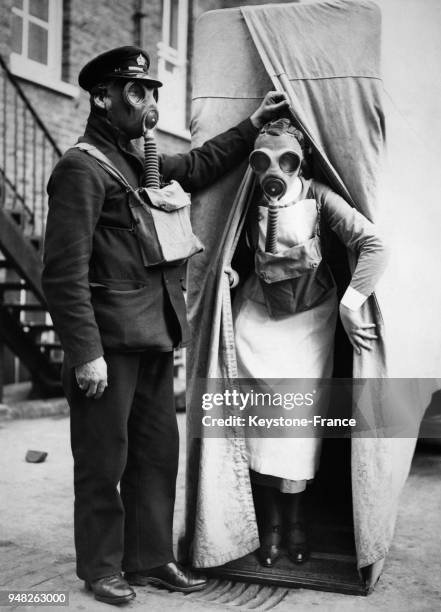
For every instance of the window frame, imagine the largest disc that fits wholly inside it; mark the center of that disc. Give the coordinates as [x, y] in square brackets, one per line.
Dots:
[48, 75]
[178, 59]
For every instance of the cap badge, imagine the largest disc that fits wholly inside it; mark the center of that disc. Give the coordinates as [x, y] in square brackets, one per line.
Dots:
[140, 60]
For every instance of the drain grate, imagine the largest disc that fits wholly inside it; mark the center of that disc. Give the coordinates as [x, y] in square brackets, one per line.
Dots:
[240, 596]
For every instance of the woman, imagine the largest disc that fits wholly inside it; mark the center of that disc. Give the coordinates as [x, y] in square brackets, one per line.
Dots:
[286, 311]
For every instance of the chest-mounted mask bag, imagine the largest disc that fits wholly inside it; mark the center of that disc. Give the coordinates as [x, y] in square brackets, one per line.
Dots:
[161, 217]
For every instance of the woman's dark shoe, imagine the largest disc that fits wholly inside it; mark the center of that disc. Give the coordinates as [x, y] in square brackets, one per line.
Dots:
[297, 543]
[269, 550]
[171, 576]
[270, 511]
[111, 590]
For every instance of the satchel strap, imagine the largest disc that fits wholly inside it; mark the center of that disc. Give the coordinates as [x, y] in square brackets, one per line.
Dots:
[322, 231]
[105, 163]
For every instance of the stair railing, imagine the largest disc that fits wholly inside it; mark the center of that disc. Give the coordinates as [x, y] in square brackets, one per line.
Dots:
[28, 154]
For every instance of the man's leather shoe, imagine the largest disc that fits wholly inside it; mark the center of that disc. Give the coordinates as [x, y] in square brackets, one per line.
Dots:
[172, 576]
[112, 590]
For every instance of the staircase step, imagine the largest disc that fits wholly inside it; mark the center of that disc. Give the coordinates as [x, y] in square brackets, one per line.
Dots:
[12, 286]
[36, 328]
[25, 307]
[17, 216]
[19, 251]
[49, 345]
[44, 370]
[36, 242]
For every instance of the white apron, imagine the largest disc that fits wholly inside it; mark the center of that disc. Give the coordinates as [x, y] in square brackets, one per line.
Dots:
[298, 346]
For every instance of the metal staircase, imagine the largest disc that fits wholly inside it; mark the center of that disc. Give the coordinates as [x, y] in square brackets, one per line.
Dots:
[27, 156]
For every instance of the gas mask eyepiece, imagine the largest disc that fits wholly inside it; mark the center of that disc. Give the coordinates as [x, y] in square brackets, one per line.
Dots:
[134, 93]
[259, 161]
[289, 161]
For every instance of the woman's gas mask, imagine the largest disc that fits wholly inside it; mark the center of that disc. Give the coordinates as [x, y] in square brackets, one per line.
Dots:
[276, 161]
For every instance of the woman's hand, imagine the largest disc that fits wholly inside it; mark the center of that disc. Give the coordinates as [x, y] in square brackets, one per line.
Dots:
[360, 334]
[233, 276]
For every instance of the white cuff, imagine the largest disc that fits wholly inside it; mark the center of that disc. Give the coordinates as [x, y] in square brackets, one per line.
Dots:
[353, 299]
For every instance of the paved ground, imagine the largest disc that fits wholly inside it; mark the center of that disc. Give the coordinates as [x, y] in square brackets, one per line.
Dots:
[36, 547]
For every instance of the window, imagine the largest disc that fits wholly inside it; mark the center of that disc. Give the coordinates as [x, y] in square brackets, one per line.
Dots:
[172, 67]
[37, 43]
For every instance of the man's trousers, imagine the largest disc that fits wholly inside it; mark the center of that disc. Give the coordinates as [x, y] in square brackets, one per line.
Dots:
[128, 437]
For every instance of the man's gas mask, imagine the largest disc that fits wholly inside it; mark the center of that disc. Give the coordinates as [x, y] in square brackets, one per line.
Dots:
[134, 95]
[276, 162]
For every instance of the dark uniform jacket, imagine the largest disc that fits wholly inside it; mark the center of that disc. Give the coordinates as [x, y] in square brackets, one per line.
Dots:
[99, 294]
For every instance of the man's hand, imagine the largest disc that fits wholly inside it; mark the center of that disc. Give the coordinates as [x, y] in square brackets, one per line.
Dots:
[357, 330]
[272, 104]
[92, 377]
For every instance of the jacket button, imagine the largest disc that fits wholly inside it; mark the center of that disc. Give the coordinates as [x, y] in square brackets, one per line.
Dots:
[314, 265]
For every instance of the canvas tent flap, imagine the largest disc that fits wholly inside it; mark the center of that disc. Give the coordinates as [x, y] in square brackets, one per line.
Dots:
[335, 92]
[333, 69]
[331, 74]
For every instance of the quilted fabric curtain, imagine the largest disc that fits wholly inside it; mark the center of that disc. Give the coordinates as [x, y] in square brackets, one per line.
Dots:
[325, 56]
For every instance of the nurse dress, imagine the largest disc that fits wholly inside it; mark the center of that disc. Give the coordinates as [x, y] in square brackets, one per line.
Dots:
[298, 343]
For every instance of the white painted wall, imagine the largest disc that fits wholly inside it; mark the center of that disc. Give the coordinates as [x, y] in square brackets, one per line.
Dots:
[410, 198]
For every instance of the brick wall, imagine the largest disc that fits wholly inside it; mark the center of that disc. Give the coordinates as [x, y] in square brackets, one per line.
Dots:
[89, 28]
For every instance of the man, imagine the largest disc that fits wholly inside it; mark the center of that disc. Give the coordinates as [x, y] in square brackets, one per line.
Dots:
[119, 322]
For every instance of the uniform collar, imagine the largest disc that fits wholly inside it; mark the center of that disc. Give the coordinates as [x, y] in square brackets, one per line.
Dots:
[100, 132]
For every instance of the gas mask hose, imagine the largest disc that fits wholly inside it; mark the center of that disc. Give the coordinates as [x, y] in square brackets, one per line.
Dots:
[274, 188]
[272, 227]
[150, 176]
